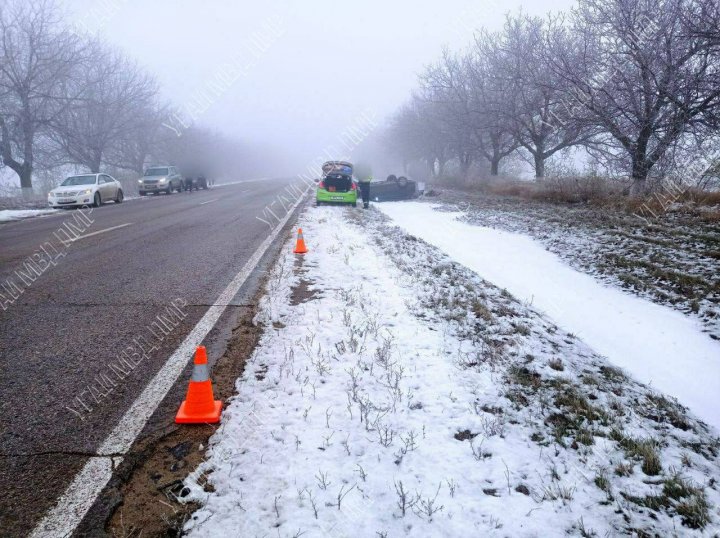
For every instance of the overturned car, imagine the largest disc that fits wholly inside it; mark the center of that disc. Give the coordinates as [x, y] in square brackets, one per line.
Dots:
[395, 188]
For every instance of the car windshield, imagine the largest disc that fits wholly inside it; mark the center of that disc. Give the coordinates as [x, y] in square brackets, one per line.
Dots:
[79, 180]
[156, 172]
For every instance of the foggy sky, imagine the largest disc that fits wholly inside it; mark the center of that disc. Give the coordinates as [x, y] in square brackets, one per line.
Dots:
[290, 74]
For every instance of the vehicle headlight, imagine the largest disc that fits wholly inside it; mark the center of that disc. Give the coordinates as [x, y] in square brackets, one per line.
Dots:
[51, 194]
[87, 191]
[163, 180]
[140, 181]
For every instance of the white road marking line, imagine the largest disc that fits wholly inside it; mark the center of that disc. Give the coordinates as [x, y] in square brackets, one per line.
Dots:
[102, 231]
[63, 518]
[209, 201]
[242, 181]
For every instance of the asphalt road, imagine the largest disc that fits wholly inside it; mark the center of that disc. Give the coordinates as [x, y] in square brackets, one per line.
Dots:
[96, 296]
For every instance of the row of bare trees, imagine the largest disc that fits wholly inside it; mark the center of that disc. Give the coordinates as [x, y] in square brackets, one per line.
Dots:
[72, 100]
[635, 83]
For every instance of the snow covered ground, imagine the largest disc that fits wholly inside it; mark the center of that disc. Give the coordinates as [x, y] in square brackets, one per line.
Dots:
[672, 260]
[396, 393]
[656, 344]
[17, 214]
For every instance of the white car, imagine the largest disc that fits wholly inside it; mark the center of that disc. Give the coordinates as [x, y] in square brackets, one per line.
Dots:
[86, 189]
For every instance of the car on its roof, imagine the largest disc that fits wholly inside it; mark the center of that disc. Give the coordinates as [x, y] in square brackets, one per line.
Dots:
[396, 188]
[337, 185]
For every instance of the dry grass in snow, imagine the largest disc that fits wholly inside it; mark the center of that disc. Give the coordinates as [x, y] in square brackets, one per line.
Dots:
[401, 395]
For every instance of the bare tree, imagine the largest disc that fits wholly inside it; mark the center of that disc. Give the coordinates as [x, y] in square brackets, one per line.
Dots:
[491, 98]
[38, 62]
[644, 75]
[143, 139]
[537, 116]
[446, 87]
[201, 151]
[417, 133]
[702, 18]
[114, 97]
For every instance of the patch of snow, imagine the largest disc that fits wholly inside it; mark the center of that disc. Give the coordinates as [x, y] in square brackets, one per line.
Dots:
[656, 344]
[17, 214]
[671, 261]
[359, 390]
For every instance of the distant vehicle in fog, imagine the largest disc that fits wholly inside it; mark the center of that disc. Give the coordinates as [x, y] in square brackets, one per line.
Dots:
[197, 183]
[86, 189]
[160, 179]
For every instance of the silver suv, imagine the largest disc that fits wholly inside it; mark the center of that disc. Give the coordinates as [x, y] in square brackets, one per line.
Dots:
[160, 179]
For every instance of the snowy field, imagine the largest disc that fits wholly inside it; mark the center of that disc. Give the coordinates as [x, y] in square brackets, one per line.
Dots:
[672, 260]
[396, 393]
[656, 344]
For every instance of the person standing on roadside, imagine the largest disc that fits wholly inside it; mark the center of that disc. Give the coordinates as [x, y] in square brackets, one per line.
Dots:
[364, 175]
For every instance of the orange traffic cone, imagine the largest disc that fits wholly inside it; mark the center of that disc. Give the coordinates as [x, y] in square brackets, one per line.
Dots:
[300, 247]
[199, 406]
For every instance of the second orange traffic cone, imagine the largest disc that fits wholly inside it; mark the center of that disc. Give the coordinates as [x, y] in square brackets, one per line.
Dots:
[199, 406]
[300, 247]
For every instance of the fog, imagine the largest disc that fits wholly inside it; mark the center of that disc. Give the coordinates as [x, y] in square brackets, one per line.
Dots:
[288, 77]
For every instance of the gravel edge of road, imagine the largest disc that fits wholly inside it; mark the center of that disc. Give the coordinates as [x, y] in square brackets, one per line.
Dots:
[142, 498]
